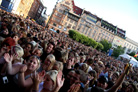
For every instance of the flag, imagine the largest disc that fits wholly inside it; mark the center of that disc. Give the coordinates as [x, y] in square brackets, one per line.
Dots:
[136, 55]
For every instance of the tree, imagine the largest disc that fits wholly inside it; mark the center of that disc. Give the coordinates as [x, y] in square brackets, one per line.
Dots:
[118, 51]
[100, 46]
[84, 39]
[106, 45]
[132, 53]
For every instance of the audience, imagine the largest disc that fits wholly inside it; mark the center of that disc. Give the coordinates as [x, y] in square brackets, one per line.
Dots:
[35, 59]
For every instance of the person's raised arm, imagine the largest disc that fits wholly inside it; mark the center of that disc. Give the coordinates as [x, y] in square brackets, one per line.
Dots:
[120, 80]
[11, 68]
[21, 78]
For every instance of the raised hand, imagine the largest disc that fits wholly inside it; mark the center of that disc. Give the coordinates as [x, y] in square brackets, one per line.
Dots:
[37, 77]
[8, 58]
[60, 81]
[23, 68]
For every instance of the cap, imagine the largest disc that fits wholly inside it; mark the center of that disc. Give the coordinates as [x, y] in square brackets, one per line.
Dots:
[53, 75]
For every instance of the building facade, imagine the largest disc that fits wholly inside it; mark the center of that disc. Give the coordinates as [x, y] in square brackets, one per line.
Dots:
[7, 5]
[130, 46]
[66, 15]
[34, 9]
[24, 7]
[0, 2]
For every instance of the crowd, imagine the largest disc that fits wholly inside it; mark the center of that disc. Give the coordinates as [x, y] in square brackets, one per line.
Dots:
[35, 59]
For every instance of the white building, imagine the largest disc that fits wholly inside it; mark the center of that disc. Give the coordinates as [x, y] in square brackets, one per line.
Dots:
[130, 45]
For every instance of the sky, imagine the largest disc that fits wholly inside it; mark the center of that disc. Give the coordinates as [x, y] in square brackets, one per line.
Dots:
[121, 13]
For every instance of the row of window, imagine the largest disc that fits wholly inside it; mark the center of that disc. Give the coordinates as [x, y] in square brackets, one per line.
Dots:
[130, 46]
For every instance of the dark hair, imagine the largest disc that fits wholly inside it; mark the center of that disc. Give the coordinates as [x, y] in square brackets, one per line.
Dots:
[83, 76]
[103, 79]
[90, 61]
[97, 89]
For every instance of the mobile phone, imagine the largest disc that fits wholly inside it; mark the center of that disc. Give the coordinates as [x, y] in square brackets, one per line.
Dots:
[5, 80]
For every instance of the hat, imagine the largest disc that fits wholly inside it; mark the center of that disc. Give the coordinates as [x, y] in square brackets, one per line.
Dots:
[53, 75]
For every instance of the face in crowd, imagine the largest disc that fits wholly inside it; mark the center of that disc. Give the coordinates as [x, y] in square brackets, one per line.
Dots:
[33, 63]
[50, 47]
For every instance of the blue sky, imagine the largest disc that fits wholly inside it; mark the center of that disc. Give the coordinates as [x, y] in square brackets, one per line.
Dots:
[121, 13]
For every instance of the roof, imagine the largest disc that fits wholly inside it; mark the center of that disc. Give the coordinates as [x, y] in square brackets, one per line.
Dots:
[77, 10]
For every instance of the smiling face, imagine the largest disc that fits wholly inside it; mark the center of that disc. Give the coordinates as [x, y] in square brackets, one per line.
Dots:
[33, 64]
[49, 48]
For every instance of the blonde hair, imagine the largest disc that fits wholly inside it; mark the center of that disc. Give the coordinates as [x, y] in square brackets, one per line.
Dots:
[64, 56]
[86, 67]
[38, 60]
[59, 65]
[17, 50]
[51, 57]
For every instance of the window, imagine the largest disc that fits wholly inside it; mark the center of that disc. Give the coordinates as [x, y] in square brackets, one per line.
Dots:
[73, 27]
[71, 21]
[59, 27]
[93, 33]
[67, 19]
[69, 26]
[96, 28]
[57, 14]
[65, 29]
[61, 11]
[75, 23]
[54, 24]
[66, 24]
[86, 30]
[56, 19]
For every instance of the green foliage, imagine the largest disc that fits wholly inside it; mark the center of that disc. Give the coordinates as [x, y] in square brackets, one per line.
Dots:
[136, 58]
[106, 45]
[118, 51]
[84, 39]
[99, 46]
[132, 53]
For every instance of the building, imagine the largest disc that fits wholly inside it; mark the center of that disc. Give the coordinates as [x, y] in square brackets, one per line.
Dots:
[24, 7]
[7, 5]
[34, 9]
[42, 19]
[65, 16]
[0, 2]
[16, 4]
[130, 46]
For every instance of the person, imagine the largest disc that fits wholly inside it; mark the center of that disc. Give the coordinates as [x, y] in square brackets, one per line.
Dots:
[16, 38]
[23, 72]
[6, 45]
[68, 65]
[58, 66]
[93, 78]
[114, 88]
[51, 82]
[48, 63]
[131, 88]
[49, 50]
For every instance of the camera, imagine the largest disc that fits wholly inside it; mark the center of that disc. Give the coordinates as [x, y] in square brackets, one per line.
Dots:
[5, 80]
